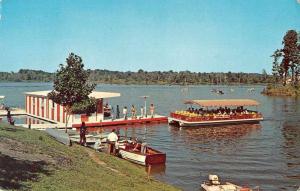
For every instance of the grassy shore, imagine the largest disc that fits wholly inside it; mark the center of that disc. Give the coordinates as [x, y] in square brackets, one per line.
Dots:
[31, 160]
[279, 90]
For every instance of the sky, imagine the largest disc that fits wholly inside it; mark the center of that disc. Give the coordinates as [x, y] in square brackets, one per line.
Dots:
[128, 35]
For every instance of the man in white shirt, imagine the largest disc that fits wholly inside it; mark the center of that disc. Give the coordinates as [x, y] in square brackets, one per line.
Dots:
[112, 137]
[142, 111]
[112, 140]
[125, 112]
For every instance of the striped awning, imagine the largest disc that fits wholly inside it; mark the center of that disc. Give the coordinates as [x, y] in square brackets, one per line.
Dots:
[223, 102]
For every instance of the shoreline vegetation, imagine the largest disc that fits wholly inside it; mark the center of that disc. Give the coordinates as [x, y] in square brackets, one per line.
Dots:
[31, 160]
[280, 90]
[142, 77]
[286, 67]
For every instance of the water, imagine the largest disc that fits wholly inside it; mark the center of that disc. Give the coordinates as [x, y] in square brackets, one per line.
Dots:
[265, 155]
[25, 119]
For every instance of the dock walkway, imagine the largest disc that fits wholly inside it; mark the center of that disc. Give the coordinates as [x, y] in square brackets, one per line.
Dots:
[128, 121]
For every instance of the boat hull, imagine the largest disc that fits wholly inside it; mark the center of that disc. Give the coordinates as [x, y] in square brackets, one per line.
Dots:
[183, 123]
[141, 159]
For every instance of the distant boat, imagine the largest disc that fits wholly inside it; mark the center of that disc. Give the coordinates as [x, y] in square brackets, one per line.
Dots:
[220, 92]
[214, 184]
[217, 91]
[251, 90]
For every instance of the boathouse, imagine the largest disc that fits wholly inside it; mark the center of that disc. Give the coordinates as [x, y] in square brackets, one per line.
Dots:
[37, 104]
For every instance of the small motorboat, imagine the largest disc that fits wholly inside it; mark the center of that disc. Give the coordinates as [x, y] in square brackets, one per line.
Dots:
[217, 91]
[141, 154]
[214, 184]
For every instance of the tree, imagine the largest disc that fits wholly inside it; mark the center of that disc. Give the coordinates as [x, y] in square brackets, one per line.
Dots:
[71, 87]
[290, 51]
[264, 74]
[277, 70]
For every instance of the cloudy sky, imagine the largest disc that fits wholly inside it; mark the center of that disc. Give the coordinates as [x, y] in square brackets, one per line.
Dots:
[195, 35]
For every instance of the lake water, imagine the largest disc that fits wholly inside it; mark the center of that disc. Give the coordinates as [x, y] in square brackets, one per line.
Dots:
[265, 155]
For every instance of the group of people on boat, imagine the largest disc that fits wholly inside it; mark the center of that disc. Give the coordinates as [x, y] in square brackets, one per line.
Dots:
[109, 112]
[221, 112]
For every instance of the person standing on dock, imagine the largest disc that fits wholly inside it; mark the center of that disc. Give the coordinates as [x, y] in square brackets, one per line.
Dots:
[82, 134]
[132, 112]
[152, 110]
[112, 139]
[125, 113]
[117, 112]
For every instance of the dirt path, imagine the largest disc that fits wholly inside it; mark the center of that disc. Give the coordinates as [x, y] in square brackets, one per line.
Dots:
[100, 162]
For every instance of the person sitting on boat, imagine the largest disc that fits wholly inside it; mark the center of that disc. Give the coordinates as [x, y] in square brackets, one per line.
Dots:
[112, 138]
[135, 144]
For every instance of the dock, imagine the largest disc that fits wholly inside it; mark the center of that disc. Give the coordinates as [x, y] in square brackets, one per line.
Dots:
[128, 121]
[13, 111]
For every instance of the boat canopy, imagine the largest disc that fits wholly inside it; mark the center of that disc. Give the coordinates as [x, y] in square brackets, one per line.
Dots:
[94, 94]
[223, 102]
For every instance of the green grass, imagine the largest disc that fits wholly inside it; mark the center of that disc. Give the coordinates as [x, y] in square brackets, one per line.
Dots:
[74, 169]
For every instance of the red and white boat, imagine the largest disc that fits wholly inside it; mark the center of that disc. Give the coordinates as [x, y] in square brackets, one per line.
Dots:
[216, 112]
[143, 156]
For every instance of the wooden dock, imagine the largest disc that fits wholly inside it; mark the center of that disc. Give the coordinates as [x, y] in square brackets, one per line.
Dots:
[129, 121]
[13, 111]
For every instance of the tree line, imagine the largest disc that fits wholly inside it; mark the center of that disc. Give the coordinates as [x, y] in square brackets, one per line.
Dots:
[286, 63]
[145, 77]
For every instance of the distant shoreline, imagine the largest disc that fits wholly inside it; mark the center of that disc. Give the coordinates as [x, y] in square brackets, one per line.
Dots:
[99, 83]
[147, 78]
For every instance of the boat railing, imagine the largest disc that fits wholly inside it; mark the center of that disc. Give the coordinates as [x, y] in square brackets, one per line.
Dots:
[192, 117]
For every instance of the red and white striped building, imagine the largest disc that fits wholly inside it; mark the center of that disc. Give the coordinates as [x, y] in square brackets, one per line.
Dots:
[38, 105]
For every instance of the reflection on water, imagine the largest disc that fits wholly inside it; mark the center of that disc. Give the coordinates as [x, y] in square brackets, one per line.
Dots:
[250, 155]
[156, 170]
[207, 136]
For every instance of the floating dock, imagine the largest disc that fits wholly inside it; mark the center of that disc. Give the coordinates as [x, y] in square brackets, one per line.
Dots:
[129, 121]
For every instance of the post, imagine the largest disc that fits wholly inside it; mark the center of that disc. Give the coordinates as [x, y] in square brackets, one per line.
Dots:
[145, 106]
[149, 172]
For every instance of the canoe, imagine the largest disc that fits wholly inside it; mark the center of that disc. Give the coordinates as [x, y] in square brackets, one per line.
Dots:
[150, 157]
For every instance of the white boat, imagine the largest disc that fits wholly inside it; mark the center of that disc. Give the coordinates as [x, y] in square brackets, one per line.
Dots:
[224, 111]
[214, 184]
[150, 156]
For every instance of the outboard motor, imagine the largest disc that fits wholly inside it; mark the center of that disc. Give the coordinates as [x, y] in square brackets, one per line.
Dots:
[213, 179]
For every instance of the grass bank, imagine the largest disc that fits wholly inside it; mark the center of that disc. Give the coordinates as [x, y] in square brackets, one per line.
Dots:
[31, 160]
[279, 90]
